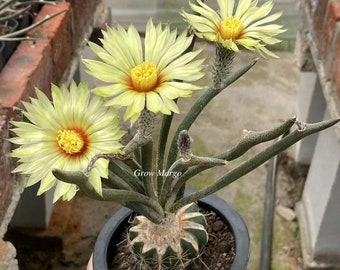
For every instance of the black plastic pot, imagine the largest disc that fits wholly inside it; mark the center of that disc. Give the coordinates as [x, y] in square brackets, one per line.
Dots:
[110, 235]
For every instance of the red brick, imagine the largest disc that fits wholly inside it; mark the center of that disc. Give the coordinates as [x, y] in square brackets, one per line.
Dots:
[82, 15]
[335, 7]
[58, 31]
[7, 255]
[46, 60]
[2, 249]
[38, 63]
[318, 10]
[332, 17]
[336, 66]
[30, 66]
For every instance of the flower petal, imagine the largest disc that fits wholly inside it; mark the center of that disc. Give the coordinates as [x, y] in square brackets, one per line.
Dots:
[40, 147]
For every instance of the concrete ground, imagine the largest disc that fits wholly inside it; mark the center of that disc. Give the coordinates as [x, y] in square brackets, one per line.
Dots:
[262, 99]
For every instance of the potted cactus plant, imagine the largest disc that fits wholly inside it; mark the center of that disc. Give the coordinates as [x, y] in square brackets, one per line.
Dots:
[228, 246]
[77, 141]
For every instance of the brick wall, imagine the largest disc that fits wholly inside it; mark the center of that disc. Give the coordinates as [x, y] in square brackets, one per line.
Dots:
[37, 64]
[321, 34]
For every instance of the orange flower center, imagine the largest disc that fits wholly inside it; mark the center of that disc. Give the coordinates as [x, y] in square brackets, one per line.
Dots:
[231, 28]
[144, 77]
[71, 141]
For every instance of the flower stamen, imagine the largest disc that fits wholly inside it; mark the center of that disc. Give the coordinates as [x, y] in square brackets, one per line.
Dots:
[144, 77]
[71, 141]
[230, 28]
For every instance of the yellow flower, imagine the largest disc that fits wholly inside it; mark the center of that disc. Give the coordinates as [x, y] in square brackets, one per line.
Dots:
[65, 135]
[150, 76]
[244, 24]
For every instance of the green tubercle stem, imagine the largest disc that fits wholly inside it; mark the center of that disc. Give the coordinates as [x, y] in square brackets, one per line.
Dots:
[254, 162]
[145, 211]
[180, 166]
[132, 164]
[147, 162]
[136, 152]
[138, 140]
[251, 139]
[200, 104]
[113, 182]
[155, 212]
[130, 179]
[162, 141]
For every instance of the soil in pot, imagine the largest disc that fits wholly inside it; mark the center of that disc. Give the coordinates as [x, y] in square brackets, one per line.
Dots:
[218, 253]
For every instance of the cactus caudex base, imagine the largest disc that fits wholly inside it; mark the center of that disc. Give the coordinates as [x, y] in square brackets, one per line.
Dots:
[171, 244]
[110, 236]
